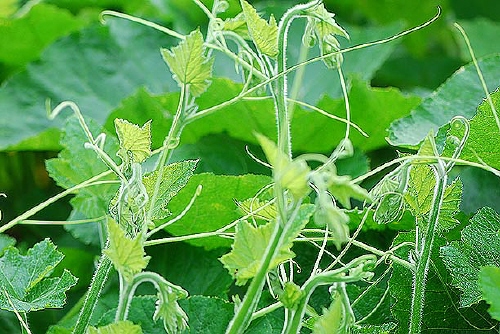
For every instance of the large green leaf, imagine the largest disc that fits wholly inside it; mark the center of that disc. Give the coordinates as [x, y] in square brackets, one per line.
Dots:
[215, 206]
[441, 300]
[489, 283]
[96, 67]
[24, 284]
[481, 31]
[459, 95]
[484, 137]
[22, 39]
[479, 246]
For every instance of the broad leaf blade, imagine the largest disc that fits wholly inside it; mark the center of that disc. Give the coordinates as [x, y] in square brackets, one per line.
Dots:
[133, 139]
[479, 246]
[24, 279]
[459, 95]
[120, 327]
[188, 63]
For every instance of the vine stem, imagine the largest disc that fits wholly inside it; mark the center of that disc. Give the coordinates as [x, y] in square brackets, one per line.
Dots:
[424, 255]
[96, 286]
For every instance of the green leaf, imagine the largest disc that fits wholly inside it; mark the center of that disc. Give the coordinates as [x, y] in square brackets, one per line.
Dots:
[386, 328]
[76, 164]
[250, 243]
[441, 299]
[214, 207]
[167, 308]
[372, 109]
[480, 31]
[77, 68]
[264, 34]
[291, 295]
[22, 39]
[127, 254]
[189, 64]
[207, 314]
[24, 284]
[5, 242]
[459, 95]
[343, 189]
[321, 26]
[331, 320]
[174, 177]
[489, 284]
[478, 247]
[120, 327]
[133, 139]
[484, 137]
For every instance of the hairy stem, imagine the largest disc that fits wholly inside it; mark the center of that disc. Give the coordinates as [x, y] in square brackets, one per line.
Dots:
[424, 255]
[96, 286]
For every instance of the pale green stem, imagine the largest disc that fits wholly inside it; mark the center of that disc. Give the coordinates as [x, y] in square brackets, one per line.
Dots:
[51, 200]
[325, 278]
[170, 143]
[266, 310]
[424, 254]
[93, 294]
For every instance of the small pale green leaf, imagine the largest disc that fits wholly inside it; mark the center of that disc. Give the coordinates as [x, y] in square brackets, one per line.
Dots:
[489, 284]
[175, 320]
[291, 295]
[323, 25]
[189, 64]
[343, 189]
[174, 177]
[420, 190]
[478, 247]
[248, 248]
[265, 210]
[450, 206]
[120, 327]
[264, 34]
[331, 320]
[250, 243]
[23, 278]
[134, 140]
[127, 254]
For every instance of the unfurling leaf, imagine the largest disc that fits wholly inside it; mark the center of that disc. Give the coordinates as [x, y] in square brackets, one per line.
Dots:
[478, 247]
[331, 320]
[291, 296]
[321, 27]
[189, 64]
[264, 34]
[174, 318]
[24, 285]
[134, 140]
[489, 284]
[120, 327]
[335, 218]
[291, 174]
[127, 254]
[250, 243]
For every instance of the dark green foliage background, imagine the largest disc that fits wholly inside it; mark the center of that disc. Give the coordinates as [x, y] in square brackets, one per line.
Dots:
[116, 70]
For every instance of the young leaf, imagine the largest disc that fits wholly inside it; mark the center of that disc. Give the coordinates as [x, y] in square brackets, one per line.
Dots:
[5, 242]
[321, 26]
[24, 285]
[174, 318]
[489, 283]
[291, 295]
[264, 34]
[250, 243]
[120, 327]
[133, 139]
[479, 246]
[331, 320]
[175, 176]
[189, 64]
[341, 187]
[127, 254]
